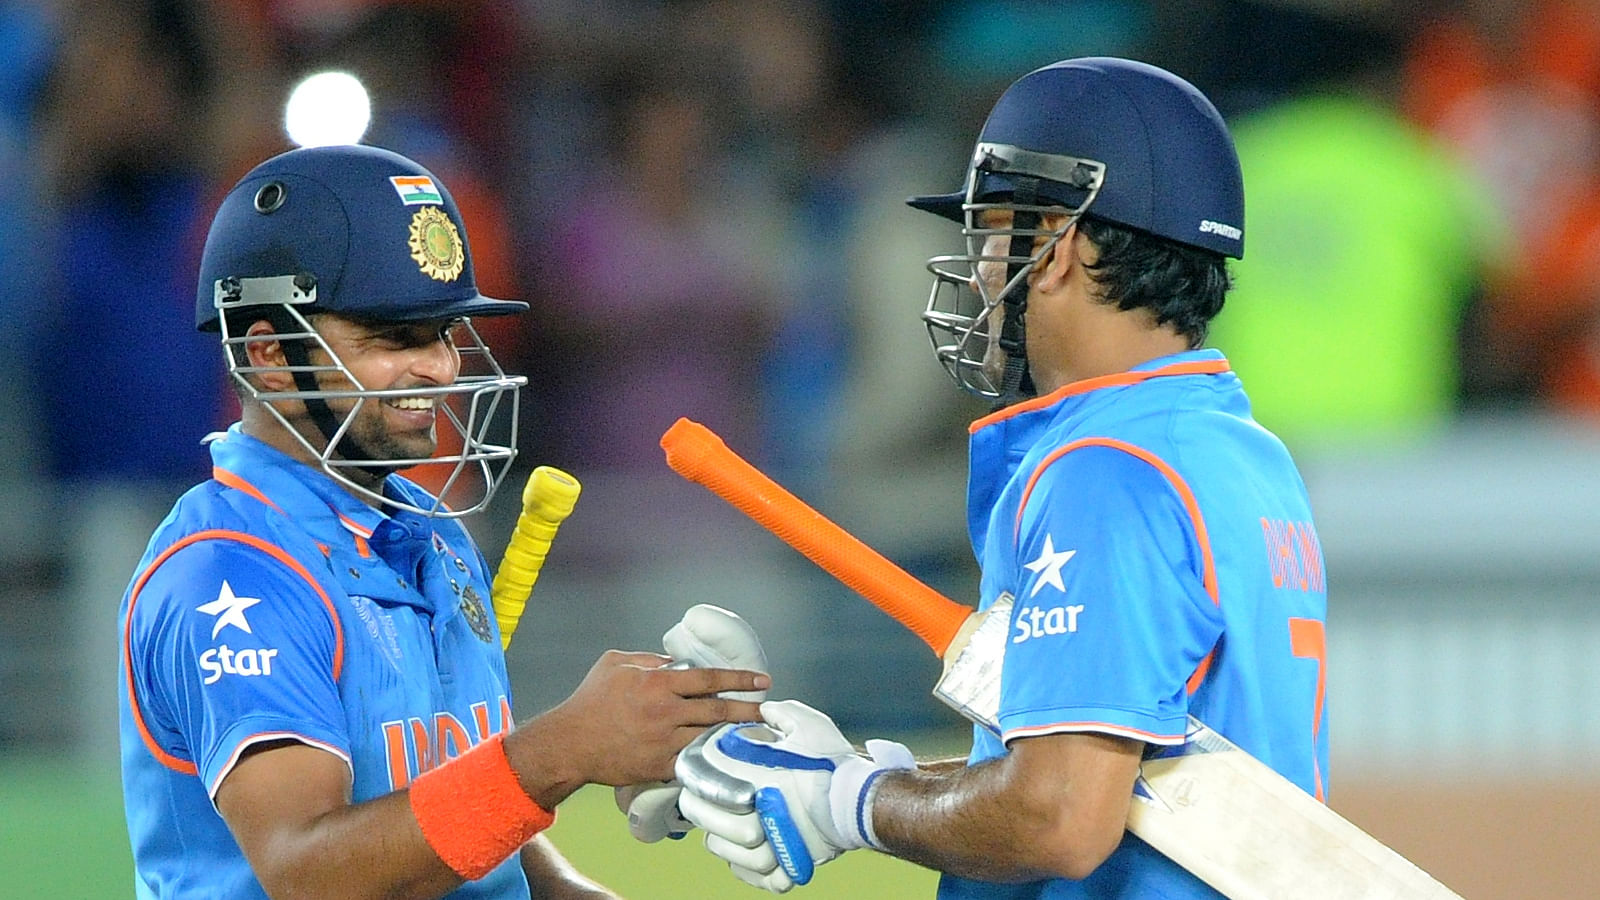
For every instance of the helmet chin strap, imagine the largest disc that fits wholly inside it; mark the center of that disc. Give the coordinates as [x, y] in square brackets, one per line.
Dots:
[1016, 383]
[296, 355]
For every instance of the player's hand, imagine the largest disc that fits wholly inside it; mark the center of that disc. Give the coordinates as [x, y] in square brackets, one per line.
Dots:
[778, 800]
[625, 724]
[706, 636]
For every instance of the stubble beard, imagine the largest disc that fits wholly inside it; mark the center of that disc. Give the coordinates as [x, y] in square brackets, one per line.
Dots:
[372, 439]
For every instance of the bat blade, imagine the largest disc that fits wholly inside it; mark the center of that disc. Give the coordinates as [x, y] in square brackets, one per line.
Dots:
[1247, 831]
[1263, 837]
[1225, 816]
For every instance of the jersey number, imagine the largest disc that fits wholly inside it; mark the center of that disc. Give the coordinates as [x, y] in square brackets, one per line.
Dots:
[1308, 640]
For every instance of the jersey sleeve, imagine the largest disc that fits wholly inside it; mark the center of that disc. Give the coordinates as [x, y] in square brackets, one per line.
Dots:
[1110, 614]
[230, 646]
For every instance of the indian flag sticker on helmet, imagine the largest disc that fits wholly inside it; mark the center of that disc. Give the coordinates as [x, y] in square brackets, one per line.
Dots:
[415, 189]
[436, 244]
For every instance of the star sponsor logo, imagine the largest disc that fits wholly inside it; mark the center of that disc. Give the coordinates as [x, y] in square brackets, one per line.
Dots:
[1048, 567]
[229, 610]
[224, 660]
[1040, 621]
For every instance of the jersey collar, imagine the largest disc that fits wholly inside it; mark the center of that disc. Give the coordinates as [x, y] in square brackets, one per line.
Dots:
[1191, 362]
[290, 486]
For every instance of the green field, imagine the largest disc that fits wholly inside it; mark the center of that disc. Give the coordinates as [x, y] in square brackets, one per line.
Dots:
[62, 838]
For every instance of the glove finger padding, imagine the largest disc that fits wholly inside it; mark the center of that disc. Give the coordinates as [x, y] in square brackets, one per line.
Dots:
[707, 637]
[740, 769]
[758, 859]
[714, 638]
[775, 881]
[653, 812]
[739, 828]
[804, 729]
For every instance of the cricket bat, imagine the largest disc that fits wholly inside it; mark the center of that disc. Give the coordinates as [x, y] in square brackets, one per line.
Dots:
[547, 500]
[1210, 807]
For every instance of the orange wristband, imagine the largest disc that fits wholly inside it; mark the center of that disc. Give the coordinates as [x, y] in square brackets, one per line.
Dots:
[473, 811]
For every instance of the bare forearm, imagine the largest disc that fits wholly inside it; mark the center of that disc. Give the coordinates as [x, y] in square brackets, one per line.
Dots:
[288, 804]
[551, 877]
[373, 849]
[1053, 808]
[950, 819]
[289, 808]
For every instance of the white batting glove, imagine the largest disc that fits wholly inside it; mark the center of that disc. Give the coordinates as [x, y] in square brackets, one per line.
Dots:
[778, 801]
[706, 637]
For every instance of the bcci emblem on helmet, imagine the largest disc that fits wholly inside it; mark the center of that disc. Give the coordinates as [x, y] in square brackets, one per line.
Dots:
[436, 244]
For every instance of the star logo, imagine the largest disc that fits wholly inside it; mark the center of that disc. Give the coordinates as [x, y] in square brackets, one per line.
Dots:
[1048, 565]
[229, 610]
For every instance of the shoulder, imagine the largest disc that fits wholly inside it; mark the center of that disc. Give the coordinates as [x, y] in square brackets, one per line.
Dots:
[1100, 467]
[1101, 483]
[212, 548]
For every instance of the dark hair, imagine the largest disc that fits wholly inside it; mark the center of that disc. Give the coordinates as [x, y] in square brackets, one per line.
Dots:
[1179, 284]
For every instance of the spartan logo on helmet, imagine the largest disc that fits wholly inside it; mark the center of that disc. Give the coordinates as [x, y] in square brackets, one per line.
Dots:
[436, 244]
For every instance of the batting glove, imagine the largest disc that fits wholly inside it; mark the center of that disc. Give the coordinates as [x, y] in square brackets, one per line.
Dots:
[707, 637]
[780, 799]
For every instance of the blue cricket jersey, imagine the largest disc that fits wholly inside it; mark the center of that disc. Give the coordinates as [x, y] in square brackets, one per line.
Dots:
[272, 604]
[1159, 551]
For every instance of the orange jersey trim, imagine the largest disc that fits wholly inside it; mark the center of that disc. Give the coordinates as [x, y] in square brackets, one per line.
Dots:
[1120, 379]
[175, 763]
[1308, 637]
[239, 484]
[359, 533]
[354, 527]
[1190, 504]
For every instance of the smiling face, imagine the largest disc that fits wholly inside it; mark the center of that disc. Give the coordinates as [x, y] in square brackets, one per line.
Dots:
[383, 357]
[378, 356]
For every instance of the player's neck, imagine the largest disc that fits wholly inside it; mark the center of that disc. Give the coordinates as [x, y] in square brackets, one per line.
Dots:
[1120, 342]
[260, 424]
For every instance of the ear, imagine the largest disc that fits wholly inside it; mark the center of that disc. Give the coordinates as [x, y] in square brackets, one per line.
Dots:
[267, 354]
[1052, 271]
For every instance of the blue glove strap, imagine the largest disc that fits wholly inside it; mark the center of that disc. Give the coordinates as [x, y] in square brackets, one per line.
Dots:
[761, 753]
[787, 843]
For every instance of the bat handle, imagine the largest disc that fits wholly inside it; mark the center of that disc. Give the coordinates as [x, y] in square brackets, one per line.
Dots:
[695, 452]
[547, 500]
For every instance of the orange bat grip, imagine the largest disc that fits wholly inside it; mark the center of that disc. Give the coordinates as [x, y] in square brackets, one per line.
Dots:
[696, 453]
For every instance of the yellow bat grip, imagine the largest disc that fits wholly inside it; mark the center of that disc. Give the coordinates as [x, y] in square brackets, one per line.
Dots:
[547, 500]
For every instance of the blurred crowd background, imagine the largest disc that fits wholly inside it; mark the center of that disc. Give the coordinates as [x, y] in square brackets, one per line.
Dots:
[702, 201]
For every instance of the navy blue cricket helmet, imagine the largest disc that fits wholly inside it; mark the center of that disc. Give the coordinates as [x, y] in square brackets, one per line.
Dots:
[1112, 139]
[1170, 164]
[368, 234]
[379, 236]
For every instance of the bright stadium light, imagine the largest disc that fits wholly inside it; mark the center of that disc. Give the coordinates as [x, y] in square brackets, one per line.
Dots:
[327, 108]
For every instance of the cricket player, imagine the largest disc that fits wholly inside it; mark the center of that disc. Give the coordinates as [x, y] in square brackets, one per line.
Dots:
[1154, 545]
[314, 700]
